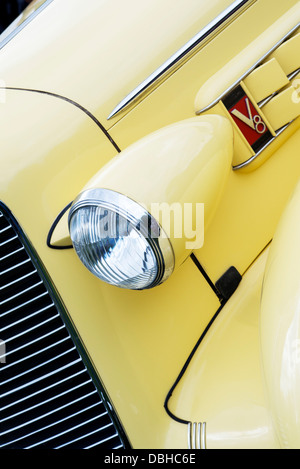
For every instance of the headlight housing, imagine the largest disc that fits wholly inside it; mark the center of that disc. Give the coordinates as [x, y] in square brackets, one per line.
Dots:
[119, 241]
[142, 214]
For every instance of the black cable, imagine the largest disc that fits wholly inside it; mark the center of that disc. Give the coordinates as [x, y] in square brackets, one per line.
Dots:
[209, 281]
[169, 395]
[57, 219]
[74, 103]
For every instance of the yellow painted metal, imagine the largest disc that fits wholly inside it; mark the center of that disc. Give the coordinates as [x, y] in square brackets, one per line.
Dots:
[282, 109]
[188, 163]
[249, 211]
[280, 326]
[288, 54]
[266, 80]
[242, 62]
[223, 384]
[77, 144]
[136, 341]
[253, 200]
[119, 44]
[275, 145]
[61, 236]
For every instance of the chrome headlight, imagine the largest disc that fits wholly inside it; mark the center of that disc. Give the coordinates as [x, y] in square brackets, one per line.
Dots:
[119, 241]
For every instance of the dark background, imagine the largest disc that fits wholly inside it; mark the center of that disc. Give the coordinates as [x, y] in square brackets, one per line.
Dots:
[9, 10]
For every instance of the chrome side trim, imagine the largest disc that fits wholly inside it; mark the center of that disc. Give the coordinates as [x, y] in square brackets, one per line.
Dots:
[242, 77]
[197, 435]
[180, 54]
[246, 163]
[10, 36]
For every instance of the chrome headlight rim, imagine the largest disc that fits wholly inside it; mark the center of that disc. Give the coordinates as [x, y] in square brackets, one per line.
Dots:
[139, 217]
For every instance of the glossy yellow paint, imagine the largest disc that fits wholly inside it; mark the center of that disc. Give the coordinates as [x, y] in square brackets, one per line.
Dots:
[189, 163]
[132, 338]
[266, 80]
[50, 149]
[282, 109]
[242, 62]
[122, 53]
[280, 326]
[223, 383]
[253, 200]
[287, 54]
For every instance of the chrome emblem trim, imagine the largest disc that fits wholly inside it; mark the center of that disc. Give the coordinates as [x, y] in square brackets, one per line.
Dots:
[242, 77]
[197, 435]
[179, 55]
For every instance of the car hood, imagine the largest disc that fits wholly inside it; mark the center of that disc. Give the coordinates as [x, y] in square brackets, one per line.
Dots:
[97, 57]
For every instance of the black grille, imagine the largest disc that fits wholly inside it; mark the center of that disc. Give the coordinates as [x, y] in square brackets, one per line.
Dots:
[48, 399]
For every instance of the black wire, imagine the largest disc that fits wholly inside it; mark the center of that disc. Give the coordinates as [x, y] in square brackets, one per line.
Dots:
[57, 219]
[209, 281]
[74, 103]
[169, 395]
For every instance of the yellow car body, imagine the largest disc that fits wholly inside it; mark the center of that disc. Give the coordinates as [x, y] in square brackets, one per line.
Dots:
[184, 364]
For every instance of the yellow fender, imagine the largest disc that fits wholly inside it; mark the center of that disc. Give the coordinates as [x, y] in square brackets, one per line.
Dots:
[280, 326]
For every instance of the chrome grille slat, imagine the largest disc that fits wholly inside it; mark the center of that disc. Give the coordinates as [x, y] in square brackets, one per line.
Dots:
[21, 305]
[8, 240]
[106, 439]
[10, 298]
[28, 409]
[12, 253]
[30, 383]
[37, 367]
[48, 398]
[72, 429]
[31, 329]
[27, 317]
[50, 413]
[34, 354]
[86, 435]
[19, 279]
[5, 229]
[23, 437]
[15, 267]
[40, 391]
[10, 352]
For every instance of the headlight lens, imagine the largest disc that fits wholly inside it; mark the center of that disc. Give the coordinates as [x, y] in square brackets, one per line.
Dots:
[119, 241]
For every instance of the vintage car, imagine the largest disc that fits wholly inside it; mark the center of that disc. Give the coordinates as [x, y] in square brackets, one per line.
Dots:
[149, 225]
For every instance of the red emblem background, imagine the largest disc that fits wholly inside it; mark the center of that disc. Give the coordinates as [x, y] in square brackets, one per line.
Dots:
[250, 134]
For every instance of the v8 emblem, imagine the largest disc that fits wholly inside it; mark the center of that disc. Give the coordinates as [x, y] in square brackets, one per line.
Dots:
[255, 122]
[247, 118]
